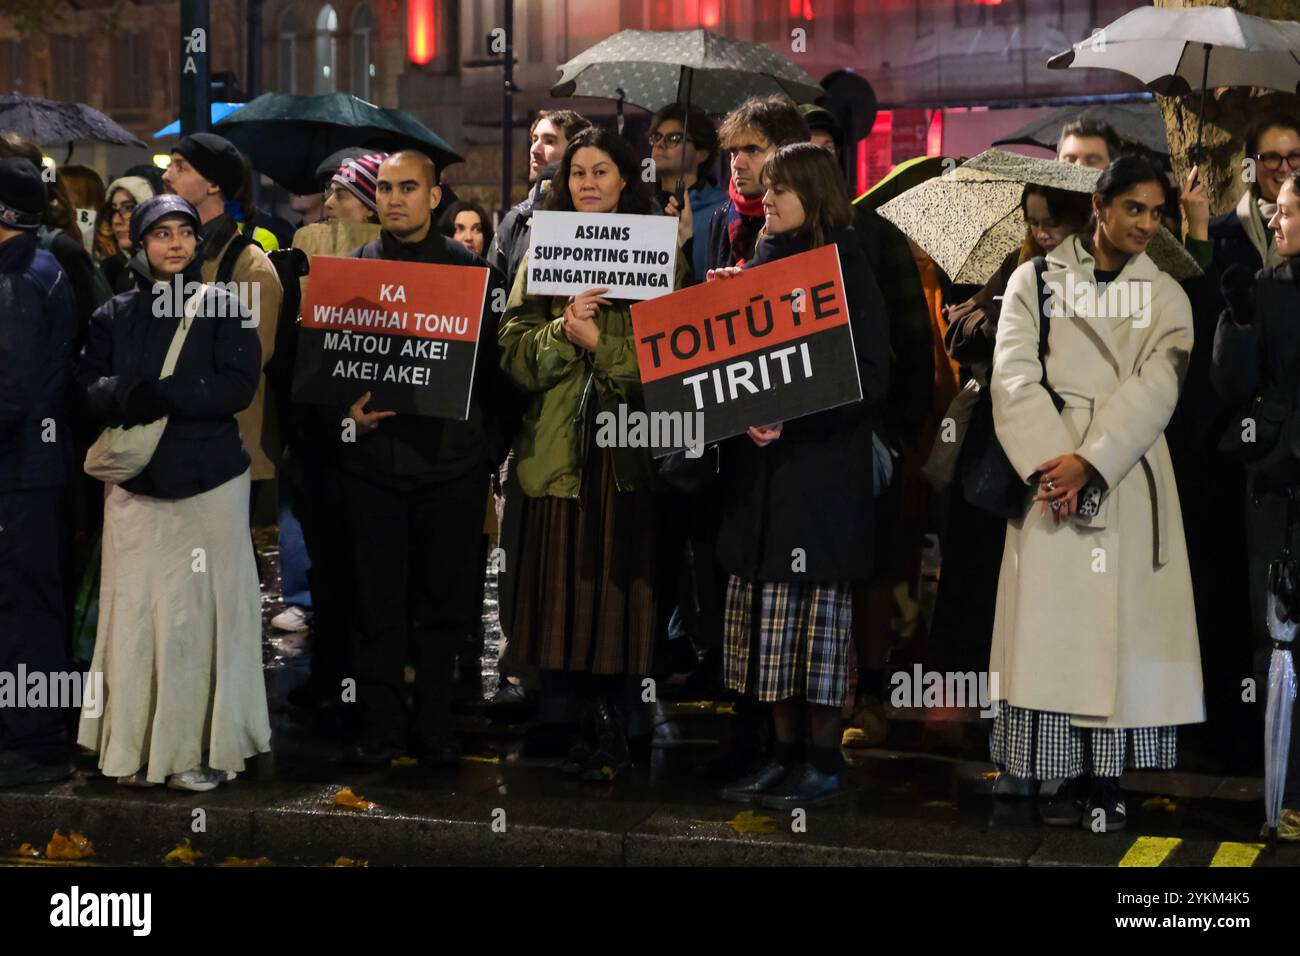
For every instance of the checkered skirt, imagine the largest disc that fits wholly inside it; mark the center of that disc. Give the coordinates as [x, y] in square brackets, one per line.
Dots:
[1043, 745]
[797, 647]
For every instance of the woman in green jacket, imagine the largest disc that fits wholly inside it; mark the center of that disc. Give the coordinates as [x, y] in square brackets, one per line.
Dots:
[592, 563]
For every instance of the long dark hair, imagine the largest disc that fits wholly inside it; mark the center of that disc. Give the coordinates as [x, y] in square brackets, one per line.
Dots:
[634, 199]
[811, 173]
[447, 224]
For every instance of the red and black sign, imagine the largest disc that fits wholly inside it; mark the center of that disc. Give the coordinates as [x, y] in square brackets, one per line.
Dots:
[407, 332]
[769, 345]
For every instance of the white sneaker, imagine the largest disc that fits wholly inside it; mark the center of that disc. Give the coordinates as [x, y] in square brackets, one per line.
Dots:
[136, 780]
[292, 618]
[196, 781]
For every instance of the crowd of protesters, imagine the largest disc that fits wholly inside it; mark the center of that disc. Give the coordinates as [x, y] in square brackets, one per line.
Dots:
[1114, 604]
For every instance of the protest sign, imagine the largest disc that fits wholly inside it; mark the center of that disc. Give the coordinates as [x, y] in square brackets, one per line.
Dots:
[634, 257]
[770, 345]
[407, 332]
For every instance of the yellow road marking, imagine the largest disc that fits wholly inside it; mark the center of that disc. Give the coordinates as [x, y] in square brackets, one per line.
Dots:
[1236, 854]
[1149, 851]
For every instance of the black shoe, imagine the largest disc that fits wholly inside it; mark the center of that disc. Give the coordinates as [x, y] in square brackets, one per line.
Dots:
[1105, 812]
[17, 769]
[440, 754]
[753, 785]
[1010, 787]
[362, 755]
[580, 754]
[1065, 808]
[510, 704]
[611, 754]
[803, 786]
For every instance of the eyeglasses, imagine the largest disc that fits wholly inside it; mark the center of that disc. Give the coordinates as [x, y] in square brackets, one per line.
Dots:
[668, 139]
[1274, 160]
[122, 209]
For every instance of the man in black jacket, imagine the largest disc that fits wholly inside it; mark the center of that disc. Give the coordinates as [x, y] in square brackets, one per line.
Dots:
[414, 491]
[38, 321]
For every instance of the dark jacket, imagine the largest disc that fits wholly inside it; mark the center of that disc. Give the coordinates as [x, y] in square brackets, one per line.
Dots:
[1231, 244]
[38, 322]
[216, 375]
[811, 489]
[510, 242]
[407, 450]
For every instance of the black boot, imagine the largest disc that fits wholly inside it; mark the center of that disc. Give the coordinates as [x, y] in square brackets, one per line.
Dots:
[586, 745]
[611, 754]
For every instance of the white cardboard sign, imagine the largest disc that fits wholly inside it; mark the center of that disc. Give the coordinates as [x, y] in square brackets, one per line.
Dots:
[632, 256]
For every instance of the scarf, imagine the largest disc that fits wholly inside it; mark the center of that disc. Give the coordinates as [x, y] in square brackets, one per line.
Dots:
[1253, 214]
[744, 219]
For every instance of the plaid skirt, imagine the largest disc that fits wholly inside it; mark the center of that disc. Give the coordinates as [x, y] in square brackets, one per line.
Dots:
[1042, 745]
[798, 647]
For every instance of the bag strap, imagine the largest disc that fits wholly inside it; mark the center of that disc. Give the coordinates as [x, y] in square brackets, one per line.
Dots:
[1044, 314]
[182, 327]
[234, 249]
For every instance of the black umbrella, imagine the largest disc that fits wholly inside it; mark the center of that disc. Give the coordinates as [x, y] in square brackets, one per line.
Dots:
[1138, 122]
[287, 137]
[50, 122]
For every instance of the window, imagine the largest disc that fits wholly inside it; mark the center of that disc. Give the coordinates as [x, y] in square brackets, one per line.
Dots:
[327, 28]
[16, 64]
[69, 65]
[130, 51]
[286, 50]
[535, 53]
[363, 67]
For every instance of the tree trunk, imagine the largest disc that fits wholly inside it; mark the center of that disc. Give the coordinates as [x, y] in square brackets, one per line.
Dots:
[1229, 113]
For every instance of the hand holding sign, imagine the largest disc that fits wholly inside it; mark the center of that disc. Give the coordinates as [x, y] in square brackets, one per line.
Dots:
[726, 272]
[579, 323]
[764, 435]
[366, 421]
[685, 220]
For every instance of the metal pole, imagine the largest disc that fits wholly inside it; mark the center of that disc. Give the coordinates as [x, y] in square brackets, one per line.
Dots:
[255, 48]
[1205, 78]
[196, 111]
[508, 106]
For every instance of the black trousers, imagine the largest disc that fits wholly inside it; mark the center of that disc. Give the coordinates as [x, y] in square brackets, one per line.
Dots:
[415, 566]
[320, 499]
[33, 614]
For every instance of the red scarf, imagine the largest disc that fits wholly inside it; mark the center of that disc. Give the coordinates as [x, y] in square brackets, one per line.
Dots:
[744, 220]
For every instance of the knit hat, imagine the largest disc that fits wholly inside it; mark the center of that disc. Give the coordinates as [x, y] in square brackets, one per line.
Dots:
[820, 119]
[22, 194]
[155, 208]
[216, 159]
[360, 176]
[139, 188]
[331, 163]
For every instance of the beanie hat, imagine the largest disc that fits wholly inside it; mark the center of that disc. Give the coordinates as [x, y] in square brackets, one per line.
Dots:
[360, 176]
[820, 119]
[22, 194]
[331, 163]
[216, 159]
[155, 208]
[139, 188]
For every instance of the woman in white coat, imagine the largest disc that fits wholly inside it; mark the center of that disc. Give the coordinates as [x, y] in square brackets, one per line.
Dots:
[1094, 647]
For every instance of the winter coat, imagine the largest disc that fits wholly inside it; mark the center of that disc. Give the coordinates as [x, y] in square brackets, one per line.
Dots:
[215, 377]
[38, 323]
[800, 492]
[568, 386]
[252, 266]
[704, 197]
[1095, 617]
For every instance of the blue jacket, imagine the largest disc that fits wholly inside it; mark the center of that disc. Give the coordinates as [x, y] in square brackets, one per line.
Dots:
[705, 198]
[38, 322]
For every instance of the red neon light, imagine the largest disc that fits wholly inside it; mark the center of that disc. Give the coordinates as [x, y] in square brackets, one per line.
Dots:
[710, 13]
[934, 135]
[421, 35]
[801, 8]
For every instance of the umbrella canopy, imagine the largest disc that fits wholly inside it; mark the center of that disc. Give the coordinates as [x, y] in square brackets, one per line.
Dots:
[651, 69]
[907, 174]
[287, 137]
[49, 122]
[217, 112]
[1166, 49]
[969, 220]
[1139, 122]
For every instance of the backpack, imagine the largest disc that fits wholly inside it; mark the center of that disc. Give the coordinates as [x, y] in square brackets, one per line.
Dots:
[102, 290]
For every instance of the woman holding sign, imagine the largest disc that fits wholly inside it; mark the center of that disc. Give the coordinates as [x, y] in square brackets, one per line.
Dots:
[587, 611]
[797, 515]
[1094, 642]
[179, 647]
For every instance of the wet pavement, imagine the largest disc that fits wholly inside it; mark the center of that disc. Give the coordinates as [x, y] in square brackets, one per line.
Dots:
[924, 799]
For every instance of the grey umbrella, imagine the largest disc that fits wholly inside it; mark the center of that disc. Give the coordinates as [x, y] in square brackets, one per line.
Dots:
[1139, 122]
[51, 122]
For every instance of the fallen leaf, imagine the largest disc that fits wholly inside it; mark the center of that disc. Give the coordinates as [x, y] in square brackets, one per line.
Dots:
[184, 852]
[241, 861]
[28, 850]
[750, 822]
[348, 861]
[725, 709]
[74, 846]
[1160, 803]
[989, 775]
[404, 762]
[351, 801]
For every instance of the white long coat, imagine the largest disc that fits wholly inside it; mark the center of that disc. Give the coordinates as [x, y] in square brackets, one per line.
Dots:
[1095, 617]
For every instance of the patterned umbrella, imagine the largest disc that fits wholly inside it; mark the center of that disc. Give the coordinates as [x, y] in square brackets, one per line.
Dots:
[651, 69]
[49, 122]
[969, 219]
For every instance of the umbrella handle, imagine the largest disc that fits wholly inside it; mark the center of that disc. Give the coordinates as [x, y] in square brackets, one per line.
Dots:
[1205, 77]
[618, 107]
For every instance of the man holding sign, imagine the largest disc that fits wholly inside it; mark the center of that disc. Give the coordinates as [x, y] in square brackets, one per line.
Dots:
[414, 477]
